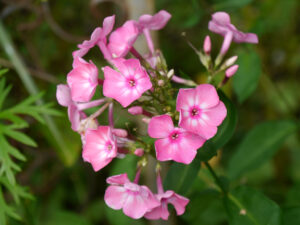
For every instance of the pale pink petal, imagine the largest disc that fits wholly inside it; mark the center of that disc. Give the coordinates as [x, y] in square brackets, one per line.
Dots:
[63, 95]
[115, 196]
[215, 116]
[155, 22]
[120, 179]
[74, 117]
[251, 38]
[221, 24]
[160, 126]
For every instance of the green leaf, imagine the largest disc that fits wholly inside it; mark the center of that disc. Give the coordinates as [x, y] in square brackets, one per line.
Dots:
[259, 145]
[246, 206]
[3, 71]
[19, 136]
[246, 79]
[3, 92]
[180, 177]
[291, 216]
[225, 131]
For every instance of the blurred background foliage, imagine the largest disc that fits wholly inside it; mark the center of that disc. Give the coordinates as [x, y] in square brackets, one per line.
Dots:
[265, 92]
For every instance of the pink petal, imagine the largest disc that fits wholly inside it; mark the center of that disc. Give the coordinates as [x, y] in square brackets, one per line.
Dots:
[215, 116]
[187, 147]
[160, 212]
[197, 126]
[179, 202]
[63, 95]
[108, 24]
[115, 196]
[122, 39]
[165, 150]
[155, 22]
[206, 96]
[137, 205]
[160, 126]
[185, 99]
[222, 18]
[118, 179]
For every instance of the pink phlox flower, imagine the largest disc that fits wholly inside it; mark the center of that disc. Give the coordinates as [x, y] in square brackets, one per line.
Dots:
[169, 197]
[100, 147]
[221, 24]
[128, 84]
[155, 22]
[173, 143]
[82, 80]
[63, 95]
[98, 35]
[134, 199]
[201, 110]
[122, 39]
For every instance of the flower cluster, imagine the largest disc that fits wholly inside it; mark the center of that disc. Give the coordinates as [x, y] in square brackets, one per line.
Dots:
[143, 85]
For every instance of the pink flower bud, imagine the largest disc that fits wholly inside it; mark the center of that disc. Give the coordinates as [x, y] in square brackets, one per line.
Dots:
[120, 132]
[230, 61]
[231, 71]
[207, 45]
[146, 120]
[160, 83]
[135, 110]
[139, 152]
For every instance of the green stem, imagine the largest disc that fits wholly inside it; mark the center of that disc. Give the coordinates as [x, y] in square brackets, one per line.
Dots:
[29, 84]
[215, 176]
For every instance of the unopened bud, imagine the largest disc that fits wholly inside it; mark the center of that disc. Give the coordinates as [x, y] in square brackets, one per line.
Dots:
[229, 62]
[160, 83]
[170, 73]
[207, 45]
[146, 120]
[139, 152]
[135, 110]
[231, 71]
[120, 132]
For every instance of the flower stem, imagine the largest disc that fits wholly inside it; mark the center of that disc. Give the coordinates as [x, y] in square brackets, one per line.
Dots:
[215, 176]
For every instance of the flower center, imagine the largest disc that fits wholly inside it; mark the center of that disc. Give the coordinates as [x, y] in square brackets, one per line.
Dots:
[194, 112]
[174, 136]
[109, 146]
[132, 82]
